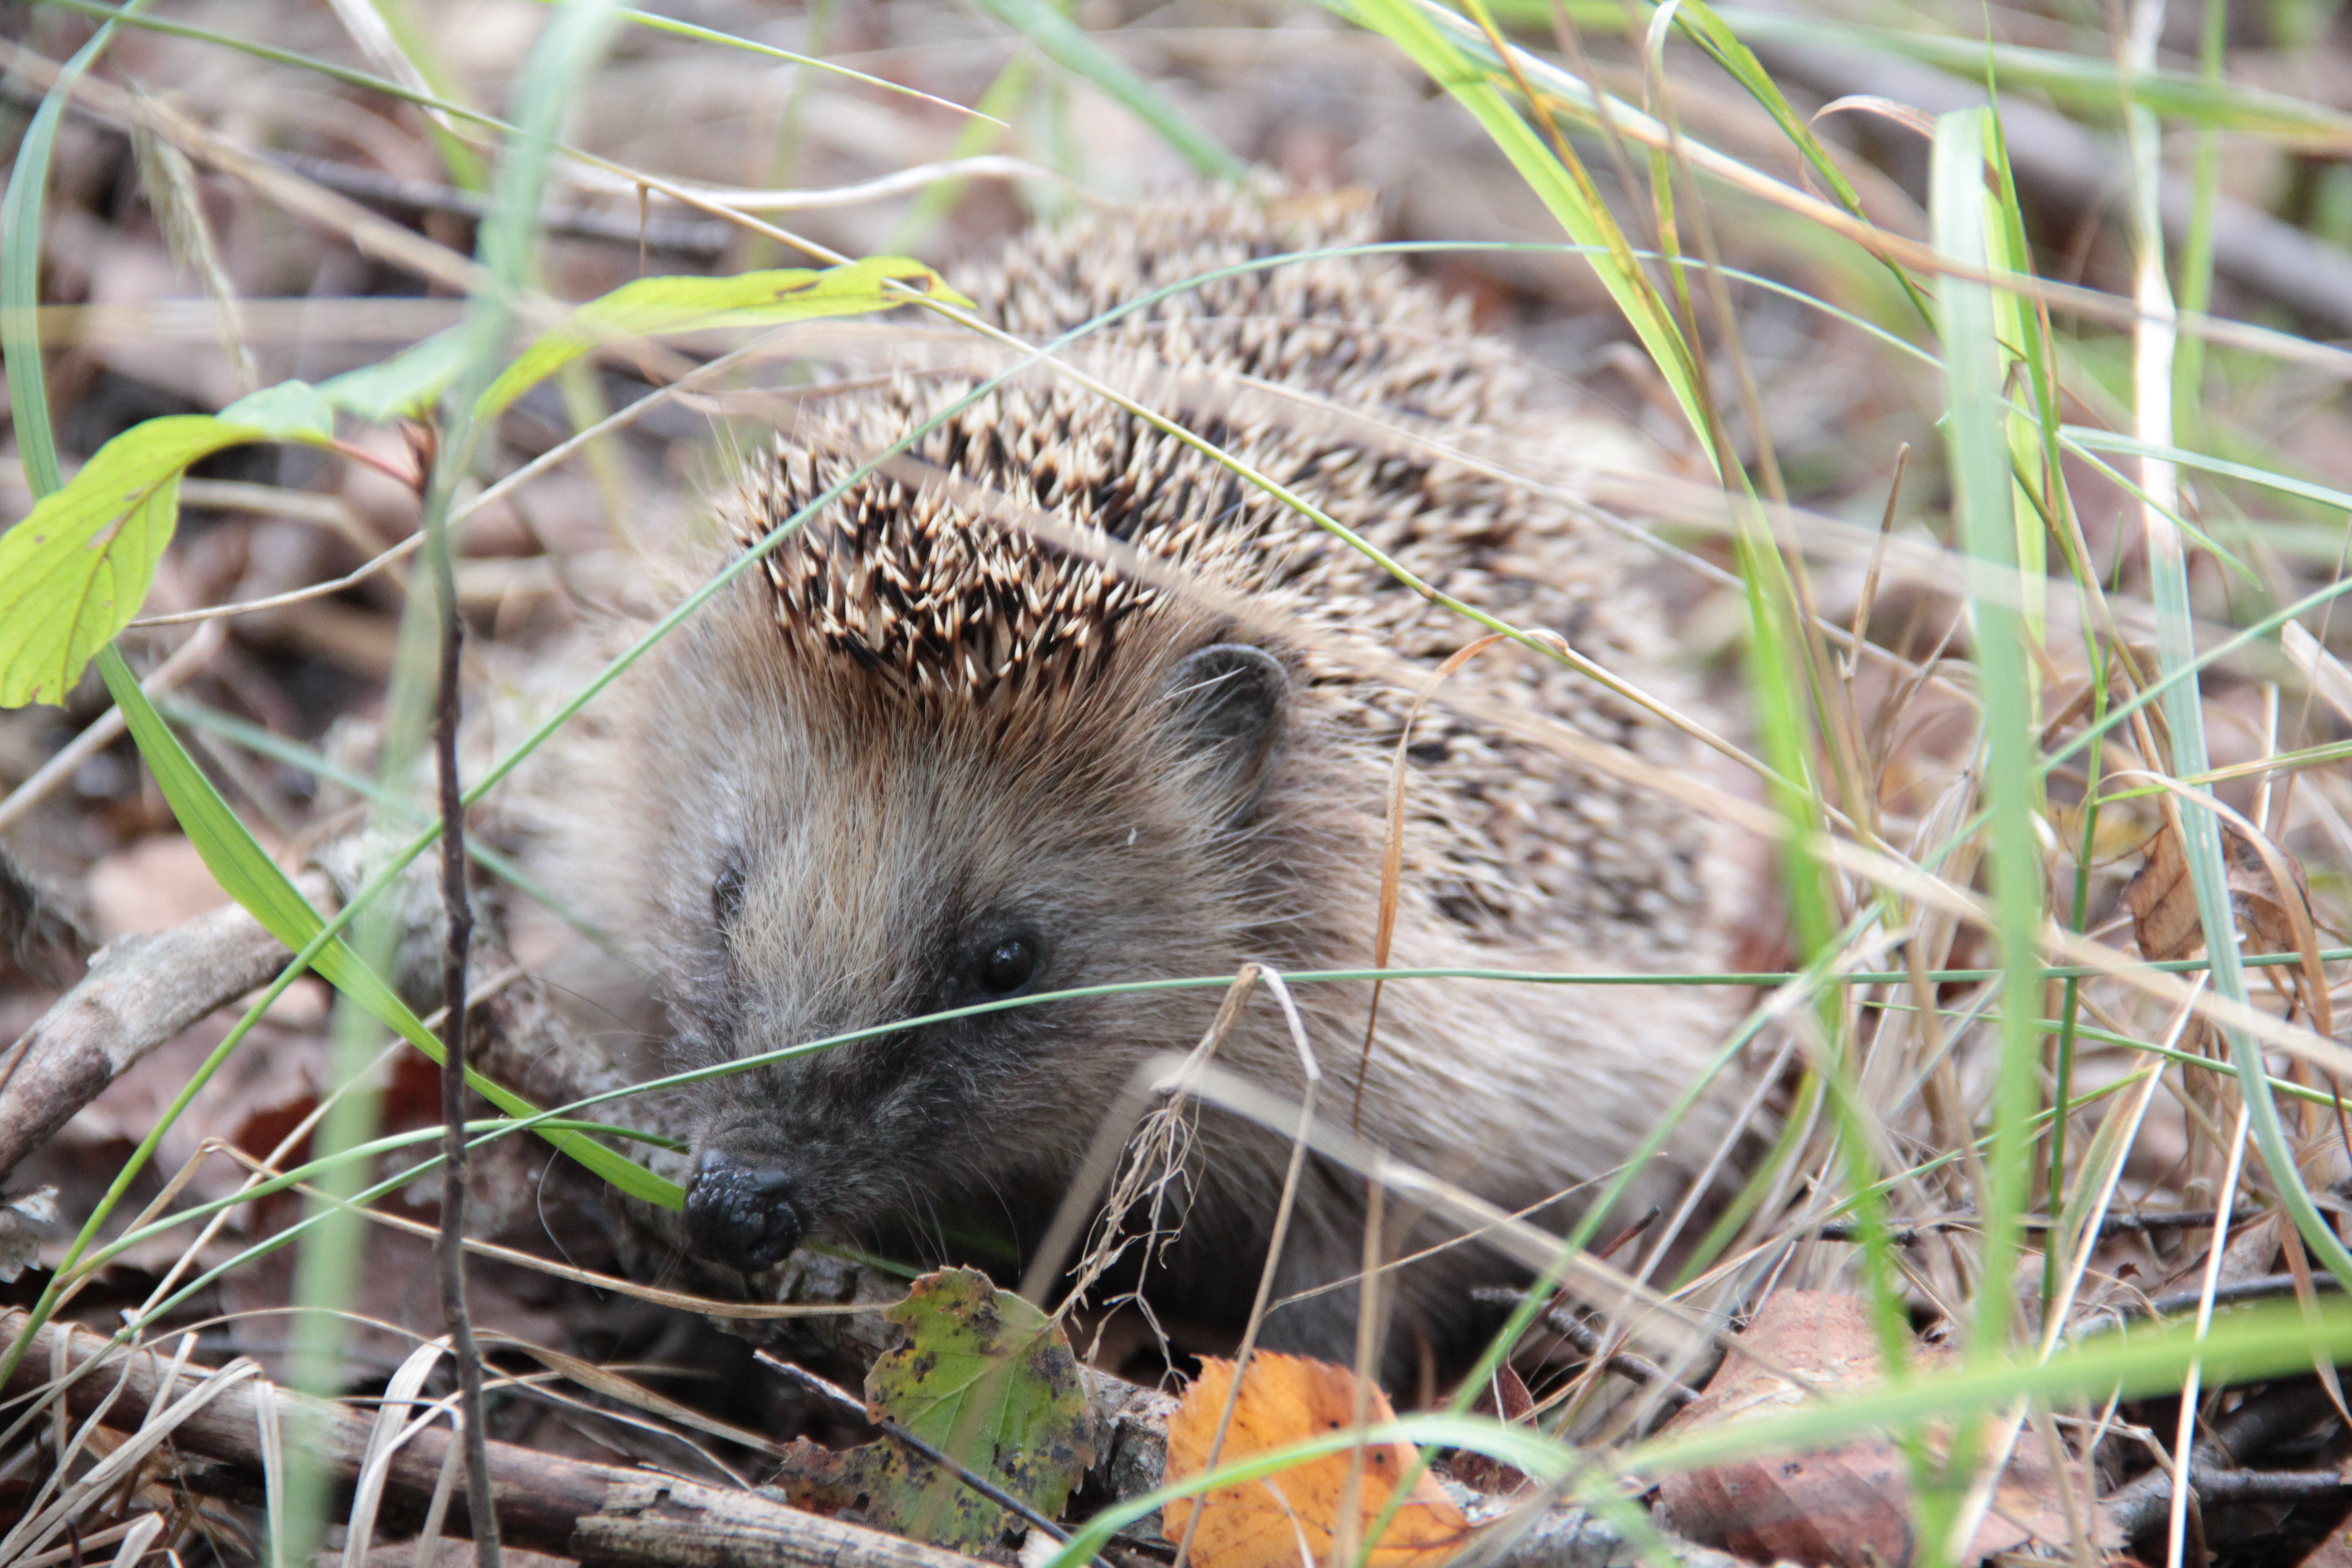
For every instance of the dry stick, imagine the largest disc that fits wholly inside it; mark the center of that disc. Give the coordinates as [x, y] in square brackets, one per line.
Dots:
[1634, 1367]
[1907, 1232]
[1392, 862]
[2242, 1434]
[1859, 639]
[1313, 1074]
[700, 239]
[451, 1249]
[590, 1512]
[140, 992]
[1349, 1517]
[706, 239]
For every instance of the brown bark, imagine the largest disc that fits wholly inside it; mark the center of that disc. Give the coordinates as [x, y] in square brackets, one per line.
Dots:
[140, 992]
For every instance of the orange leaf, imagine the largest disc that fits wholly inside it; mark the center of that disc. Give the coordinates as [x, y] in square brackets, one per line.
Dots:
[1288, 1518]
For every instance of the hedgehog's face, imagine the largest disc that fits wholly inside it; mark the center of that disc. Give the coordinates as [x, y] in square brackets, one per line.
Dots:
[815, 884]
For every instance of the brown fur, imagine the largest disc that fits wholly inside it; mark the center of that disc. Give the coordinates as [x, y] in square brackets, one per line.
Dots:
[918, 730]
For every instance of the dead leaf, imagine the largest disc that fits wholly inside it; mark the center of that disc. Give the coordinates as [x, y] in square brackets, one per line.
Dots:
[151, 884]
[23, 1218]
[2269, 895]
[2273, 899]
[1506, 1399]
[2163, 902]
[1282, 1520]
[1845, 1507]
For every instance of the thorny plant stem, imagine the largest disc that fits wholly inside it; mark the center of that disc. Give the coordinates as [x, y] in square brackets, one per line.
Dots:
[460, 910]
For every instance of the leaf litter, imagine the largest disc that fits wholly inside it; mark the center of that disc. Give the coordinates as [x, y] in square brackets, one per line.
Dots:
[982, 1375]
[1829, 402]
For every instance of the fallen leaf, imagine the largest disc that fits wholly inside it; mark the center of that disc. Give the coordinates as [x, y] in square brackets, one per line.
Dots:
[981, 1375]
[151, 884]
[2278, 916]
[23, 1218]
[1288, 1518]
[1843, 1507]
[2269, 895]
[1506, 1399]
[2163, 902]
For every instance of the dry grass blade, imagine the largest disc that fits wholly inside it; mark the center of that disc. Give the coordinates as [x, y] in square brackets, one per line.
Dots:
[42, 1525]
[1393, 856]
[1312, 1073]
[1916, 1041]
[636, 1395]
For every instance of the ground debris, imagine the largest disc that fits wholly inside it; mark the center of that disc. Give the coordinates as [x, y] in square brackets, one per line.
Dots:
[1847, 1506]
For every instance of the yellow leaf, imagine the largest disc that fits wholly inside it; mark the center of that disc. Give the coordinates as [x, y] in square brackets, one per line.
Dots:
[1287, 1518]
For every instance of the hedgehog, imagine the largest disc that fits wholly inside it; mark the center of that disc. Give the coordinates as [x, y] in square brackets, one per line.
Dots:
[921, 757]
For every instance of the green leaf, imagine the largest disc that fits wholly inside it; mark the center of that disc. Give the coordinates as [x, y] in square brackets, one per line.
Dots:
[248, 874]
[679, 304]
[402, 386]
[74, 571]
[982, 1376]
[292, 410]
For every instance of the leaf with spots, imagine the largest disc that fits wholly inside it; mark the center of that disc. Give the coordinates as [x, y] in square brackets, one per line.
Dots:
[980, 1374]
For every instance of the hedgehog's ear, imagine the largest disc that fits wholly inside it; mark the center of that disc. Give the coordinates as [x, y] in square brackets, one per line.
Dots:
[1229, 704]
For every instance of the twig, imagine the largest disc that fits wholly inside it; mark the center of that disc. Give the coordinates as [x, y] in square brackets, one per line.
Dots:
[588, 1512]
[702, 240]
[2214, 1489]
[185, 661]
[849, 1405]
[2246, 1432]
[140, 991]
[1635, 1368]
[1909, 1232]
[455, 1160]
[2261, 1288]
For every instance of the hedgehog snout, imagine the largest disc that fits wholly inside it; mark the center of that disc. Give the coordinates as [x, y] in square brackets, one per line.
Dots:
[746, 1216]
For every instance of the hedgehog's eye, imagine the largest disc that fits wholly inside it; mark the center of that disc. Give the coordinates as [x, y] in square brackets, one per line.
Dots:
[726, 893]
[1007, 965]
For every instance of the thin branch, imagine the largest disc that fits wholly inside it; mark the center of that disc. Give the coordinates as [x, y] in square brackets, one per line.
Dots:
[1910, 1232]
[698, 239]
[1635, 1368]
[454, 1162]
[565, 1508]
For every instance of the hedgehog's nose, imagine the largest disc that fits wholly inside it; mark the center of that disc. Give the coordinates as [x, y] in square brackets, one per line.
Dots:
[740, 1216]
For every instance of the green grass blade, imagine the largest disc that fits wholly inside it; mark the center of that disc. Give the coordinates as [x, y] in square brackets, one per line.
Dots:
[1987, 524]
[20, 271]
[247, 873]
[1069, 45]
[676, 29]
[1575, 205]
[2184, 707]
[262, 51]
[2087, 81]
